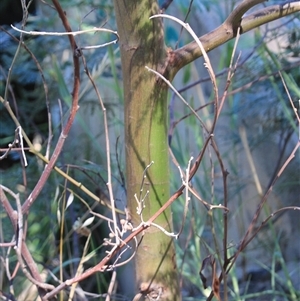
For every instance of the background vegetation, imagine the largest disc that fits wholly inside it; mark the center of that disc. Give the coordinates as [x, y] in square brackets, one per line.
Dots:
[68, 228]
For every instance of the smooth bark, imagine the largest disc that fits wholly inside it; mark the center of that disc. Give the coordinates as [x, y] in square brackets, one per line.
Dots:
[142, 44]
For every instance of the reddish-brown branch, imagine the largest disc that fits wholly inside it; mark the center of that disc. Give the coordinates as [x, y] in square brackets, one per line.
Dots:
[23, 251]
[250, 234]
[46, 173]
[102, 265]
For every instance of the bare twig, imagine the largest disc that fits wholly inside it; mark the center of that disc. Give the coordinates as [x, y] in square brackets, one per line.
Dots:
[102, 265]
[185, 182]
[176, 92]
[21, 251]
[16, 218]
[39, 67]
[165, 5]
[108, 153]
[185, 19]
[11, 146]
[69, 33]
[111, 286]
[291, 101]
[250, 234]
[73, 33]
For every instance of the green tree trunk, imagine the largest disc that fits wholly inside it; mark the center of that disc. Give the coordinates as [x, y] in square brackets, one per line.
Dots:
[142, 44]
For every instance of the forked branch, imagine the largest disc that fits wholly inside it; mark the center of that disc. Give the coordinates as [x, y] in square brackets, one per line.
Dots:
[227, 31]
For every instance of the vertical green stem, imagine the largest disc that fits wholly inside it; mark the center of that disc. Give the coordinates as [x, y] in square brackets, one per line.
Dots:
[142, 44]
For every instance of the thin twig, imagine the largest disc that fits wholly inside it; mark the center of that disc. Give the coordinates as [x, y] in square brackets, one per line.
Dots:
[111, 286]
[108, 153]
[176, 92]
[247, 238]
[69, 33]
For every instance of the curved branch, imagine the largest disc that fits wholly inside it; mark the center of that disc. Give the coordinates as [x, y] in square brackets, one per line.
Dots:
[235, 18]
[75, 92]
[227, 31]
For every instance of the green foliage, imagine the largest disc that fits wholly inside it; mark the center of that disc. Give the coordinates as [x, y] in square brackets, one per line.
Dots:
[265, 101]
